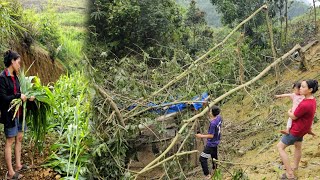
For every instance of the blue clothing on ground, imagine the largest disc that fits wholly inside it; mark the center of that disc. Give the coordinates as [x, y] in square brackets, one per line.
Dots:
[215, 130]
[175, 108]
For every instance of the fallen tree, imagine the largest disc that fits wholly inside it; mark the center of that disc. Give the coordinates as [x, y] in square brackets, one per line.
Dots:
[151, 165]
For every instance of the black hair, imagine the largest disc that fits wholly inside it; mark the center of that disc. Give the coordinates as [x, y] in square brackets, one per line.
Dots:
[215, 110]
[8, 56]
[312, 84]
[296, 85]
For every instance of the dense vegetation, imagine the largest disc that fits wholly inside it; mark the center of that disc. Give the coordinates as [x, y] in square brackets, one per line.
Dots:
[158, 42]
[131, 50]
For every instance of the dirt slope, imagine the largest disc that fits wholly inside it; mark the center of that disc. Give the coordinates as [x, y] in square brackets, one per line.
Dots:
[267, 163]
[261, 116]
[253, 119]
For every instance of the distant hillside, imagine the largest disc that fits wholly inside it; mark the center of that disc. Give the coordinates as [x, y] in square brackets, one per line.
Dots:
[298, 8]
[213, 18]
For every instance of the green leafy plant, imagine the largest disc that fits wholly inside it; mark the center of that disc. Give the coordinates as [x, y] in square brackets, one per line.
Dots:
[39, 114]
[239, 174]
[71, 152]
[217, 175]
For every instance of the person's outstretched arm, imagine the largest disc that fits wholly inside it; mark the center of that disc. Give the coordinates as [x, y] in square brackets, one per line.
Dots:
[209, 136]
[283, 95]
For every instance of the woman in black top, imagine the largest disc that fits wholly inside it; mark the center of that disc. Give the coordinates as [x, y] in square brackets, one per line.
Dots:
[9, 90]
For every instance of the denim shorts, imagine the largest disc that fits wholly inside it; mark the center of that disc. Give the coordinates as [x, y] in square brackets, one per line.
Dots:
[12, 132]
[289, 139]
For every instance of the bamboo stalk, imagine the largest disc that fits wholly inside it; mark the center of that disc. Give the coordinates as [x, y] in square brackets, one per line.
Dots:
[112, 103]
[186, 72]
[166, 160]
[261, 74]
[186, 122]
[274, 54]
[194, 64]
[162, 105]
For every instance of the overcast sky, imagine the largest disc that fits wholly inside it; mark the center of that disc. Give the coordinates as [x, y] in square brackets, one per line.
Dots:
[311, 1]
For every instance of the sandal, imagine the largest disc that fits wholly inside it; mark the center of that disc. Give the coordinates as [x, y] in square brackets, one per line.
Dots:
[23, 168]
[284, 177]
[15, 176]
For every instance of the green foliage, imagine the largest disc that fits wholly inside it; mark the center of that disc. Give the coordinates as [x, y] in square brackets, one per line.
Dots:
[61, 34]
[217, 175]
[40, 112]
[71, 49]
[211, 15]
[126, 26]
[200, 33]
[11, 29]
[49, 33]
[239, 174]
[71, 155]
[72, 18]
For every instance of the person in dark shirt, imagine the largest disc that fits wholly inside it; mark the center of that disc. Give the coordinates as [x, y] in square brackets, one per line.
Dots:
[213, 140]
[9, 90]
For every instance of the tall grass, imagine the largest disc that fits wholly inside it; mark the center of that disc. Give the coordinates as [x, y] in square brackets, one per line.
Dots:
[71, 46]
[10, 27]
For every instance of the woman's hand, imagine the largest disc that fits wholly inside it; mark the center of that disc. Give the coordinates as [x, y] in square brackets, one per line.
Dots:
[32, 98]
[23, 97]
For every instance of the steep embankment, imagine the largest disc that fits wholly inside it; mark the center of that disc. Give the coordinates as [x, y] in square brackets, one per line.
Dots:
[42, 65]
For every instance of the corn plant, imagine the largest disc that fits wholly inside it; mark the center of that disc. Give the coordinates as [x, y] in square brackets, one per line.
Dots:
[71, 152]
[37, 114]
